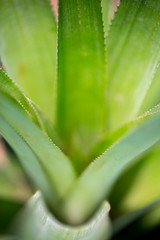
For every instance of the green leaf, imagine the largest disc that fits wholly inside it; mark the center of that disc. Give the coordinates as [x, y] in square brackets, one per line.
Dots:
[1, 65]
[106, 10]
[9, 87]
[48, 128]
[14, 191]
[110, 138]
[152, 218]
[38, 224]
[8, 211]
[145, 225]
[28, 48]
[152, 97]
[27, 158]
[142, 186]
[113, 136]
[96, 182]
[35, 151]
[133, 56]
[81, 77]
[7, 238]
[12, 183]
[139, 195]
[137, 215]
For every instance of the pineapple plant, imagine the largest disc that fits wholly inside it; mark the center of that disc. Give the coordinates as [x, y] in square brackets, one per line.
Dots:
[80, 119]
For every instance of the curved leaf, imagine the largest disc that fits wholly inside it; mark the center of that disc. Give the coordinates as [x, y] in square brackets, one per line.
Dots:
[38, 224]
[28, 160]
[28, 48]
[102, 174]
[24, 136]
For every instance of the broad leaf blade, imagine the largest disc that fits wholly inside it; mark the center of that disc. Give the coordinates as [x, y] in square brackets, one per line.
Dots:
[96, 182]
[133, 55]
[28, 48]
[38, 224]
[81, 77]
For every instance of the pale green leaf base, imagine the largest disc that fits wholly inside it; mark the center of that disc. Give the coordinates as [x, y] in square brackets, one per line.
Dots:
[36, 223]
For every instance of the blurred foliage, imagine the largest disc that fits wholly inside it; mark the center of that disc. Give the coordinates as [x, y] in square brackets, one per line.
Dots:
[90, 129]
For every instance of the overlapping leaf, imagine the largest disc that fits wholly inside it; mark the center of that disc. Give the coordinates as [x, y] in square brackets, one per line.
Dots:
[102, 174]
[54, 173]
[81, 103]
[27, 158]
